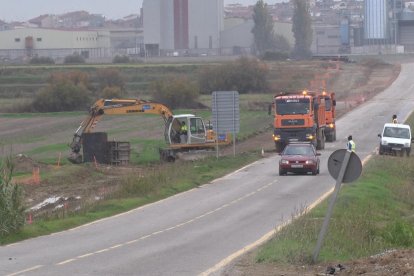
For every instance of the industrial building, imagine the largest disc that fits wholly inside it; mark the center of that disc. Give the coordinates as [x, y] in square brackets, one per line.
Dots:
[29, 42]
[182, 26]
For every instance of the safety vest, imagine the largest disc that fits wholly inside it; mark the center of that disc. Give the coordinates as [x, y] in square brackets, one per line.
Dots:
[351, 146]
[184, 128]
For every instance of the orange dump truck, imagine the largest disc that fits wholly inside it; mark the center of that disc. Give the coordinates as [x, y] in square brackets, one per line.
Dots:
[330, 105]
[299, 118]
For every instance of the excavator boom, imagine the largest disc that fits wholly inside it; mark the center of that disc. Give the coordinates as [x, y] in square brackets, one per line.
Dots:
[113, 107]
[197, 137]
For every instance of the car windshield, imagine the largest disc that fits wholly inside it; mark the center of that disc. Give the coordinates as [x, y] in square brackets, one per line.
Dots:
[298, 150]
[397, 132]
[292, 106]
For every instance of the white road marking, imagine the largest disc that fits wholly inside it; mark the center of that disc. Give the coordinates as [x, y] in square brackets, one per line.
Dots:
[263, 239]
[173, 227]
[268, 235]
[66, 262]
[26, 270]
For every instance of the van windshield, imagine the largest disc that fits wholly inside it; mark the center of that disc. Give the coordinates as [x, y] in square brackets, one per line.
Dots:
[396, 132]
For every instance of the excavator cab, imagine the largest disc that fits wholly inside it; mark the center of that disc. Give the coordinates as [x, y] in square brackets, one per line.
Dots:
[196, 130]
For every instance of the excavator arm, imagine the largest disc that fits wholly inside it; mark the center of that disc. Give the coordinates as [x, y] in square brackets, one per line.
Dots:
[113, 107]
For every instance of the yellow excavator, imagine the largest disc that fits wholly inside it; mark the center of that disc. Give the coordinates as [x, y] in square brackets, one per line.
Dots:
[198, 135]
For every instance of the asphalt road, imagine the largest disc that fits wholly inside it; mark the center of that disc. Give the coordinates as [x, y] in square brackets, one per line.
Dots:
[199, 231]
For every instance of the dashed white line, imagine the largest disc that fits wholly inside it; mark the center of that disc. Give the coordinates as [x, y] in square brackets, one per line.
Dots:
[66, 262]
[26, 270]
[170, 228]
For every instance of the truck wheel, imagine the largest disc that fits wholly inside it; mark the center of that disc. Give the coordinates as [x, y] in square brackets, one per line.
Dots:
[408, 152]
[282, 172]
[320, 142]
[334, 135]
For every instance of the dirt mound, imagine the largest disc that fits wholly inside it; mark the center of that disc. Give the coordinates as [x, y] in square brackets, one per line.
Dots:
[393, 262]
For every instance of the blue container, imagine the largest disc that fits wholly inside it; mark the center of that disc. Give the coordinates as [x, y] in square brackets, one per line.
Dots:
[344, 30]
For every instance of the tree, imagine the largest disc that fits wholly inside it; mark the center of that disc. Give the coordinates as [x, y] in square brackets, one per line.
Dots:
[11, 200]
[302, 29]
[263, 28]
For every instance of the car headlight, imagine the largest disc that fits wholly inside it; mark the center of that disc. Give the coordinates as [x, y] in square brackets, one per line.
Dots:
[384, 143]
[285, 162]
[309, 136]
[309, 162]
[276, 137]
[407, 145]
[331, 125]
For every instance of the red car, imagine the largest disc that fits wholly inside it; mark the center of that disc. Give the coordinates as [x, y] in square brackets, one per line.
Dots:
[299, 158]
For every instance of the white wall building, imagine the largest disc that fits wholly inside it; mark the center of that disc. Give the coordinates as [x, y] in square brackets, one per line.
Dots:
[27, 42]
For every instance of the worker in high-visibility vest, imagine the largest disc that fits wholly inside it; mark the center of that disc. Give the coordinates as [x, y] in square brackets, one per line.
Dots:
[183, 133]
[350, 145]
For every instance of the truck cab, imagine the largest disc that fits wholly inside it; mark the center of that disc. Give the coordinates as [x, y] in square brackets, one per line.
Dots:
[395, 139]
[299, 118]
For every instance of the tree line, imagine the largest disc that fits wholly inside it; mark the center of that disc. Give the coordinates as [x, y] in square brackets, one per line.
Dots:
[272, 46]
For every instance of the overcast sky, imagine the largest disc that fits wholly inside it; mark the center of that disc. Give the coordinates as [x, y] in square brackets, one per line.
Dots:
[22, 10]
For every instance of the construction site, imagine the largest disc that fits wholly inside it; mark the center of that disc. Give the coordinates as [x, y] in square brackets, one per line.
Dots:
[96, 156]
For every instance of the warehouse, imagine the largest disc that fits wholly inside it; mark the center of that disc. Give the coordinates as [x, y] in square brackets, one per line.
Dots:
[55, 43]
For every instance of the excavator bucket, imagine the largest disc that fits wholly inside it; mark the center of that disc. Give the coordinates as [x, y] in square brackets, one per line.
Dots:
[75, 158]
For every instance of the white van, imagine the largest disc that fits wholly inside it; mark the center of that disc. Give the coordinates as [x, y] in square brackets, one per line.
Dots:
[395, 139]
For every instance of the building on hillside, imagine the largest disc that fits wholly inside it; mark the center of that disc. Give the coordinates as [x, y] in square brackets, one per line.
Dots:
[182, 26]
[29, 42]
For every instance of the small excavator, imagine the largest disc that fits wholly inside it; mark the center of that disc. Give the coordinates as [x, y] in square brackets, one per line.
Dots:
[198, 136]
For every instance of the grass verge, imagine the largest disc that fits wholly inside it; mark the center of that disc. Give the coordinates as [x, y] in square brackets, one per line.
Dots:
[370, 216]
[137, 190]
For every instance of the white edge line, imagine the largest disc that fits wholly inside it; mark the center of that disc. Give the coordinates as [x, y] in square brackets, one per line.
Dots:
[268, 235]
[26, 270]
[157, 202]
[263, 239]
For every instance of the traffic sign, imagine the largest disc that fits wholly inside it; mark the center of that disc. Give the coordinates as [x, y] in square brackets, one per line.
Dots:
[225, 111]
[353, 170]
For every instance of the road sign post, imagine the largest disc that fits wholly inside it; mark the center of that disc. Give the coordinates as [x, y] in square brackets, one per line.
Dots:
[346, 167]
[226, 114]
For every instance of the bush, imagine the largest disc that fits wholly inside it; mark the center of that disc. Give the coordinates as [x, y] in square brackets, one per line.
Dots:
[120, 59]
[65, 92]
[42, 60]
[243, 75]
[62, 97]
[11, 201]
[74, 77]
[74, 59]
[112, 93]
[109, 77]
[175, 92]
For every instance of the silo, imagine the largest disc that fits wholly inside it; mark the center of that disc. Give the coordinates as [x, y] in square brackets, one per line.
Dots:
[375, 27]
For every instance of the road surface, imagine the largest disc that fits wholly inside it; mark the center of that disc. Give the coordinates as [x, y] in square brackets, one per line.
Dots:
[199, 231]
